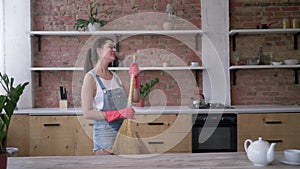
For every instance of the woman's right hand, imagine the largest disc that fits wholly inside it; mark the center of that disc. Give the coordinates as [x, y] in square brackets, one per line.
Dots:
[112, 115]
[127, 112]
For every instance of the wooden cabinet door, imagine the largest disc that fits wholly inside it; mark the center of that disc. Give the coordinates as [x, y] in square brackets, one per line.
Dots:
[84, 136]
[164, 133]
[18, 134]
[52, 135]
[281, 128]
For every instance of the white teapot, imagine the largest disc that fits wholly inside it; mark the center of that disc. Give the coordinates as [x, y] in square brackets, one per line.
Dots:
[259, 152]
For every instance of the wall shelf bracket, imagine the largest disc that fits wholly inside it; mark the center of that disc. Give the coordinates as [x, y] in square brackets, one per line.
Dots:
[234, 41]
[197, 78]
[234, 77]
[197, 41]
[40, 77]
[39, 42]
[117, 42]
[296, 40]
[296, 75]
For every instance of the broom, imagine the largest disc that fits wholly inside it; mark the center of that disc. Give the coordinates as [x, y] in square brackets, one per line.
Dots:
[128, 142]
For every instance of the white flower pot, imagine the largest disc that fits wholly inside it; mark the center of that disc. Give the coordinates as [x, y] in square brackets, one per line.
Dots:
[94, 27]
[169, 26]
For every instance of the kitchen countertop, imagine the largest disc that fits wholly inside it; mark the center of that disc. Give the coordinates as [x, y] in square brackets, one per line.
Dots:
[172, 110]
[237, 160]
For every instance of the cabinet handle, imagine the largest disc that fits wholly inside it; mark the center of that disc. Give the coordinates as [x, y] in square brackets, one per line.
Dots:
[50, 125]
[91, 124]
[274, 141]
[273, 122]
[156, 124]
[155, 142]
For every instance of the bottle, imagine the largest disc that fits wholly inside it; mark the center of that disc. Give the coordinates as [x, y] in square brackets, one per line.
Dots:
[295, 23]
[285, 23]
[260, 56]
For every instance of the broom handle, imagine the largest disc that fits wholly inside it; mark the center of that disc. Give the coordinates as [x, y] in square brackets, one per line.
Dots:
[129, 102]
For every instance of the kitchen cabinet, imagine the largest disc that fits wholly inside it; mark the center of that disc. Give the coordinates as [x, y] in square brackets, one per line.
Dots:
[83, 136]
[170, 133]
[281, 128]
[51, 135]
[60, 135]
[73, 135]
[18, 134]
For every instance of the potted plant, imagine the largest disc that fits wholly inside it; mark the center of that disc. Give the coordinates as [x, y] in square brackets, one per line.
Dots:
[8, 103]
[145, 90]
[93, 24]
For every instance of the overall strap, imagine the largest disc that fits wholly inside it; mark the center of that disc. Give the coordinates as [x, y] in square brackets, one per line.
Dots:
[117, 79]
[99, 81]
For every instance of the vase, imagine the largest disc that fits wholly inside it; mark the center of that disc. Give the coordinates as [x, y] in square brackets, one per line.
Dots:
[3, 161]
[141, 103]
[169, 26]
[94, 27]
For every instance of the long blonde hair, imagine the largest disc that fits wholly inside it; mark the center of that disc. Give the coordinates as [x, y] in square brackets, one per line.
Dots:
[92, 55]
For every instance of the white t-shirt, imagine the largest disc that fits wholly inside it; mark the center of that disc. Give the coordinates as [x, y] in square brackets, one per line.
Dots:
[109, 84]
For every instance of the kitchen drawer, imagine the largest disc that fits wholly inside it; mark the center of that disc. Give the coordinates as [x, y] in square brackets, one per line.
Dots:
[162, 123]
[281, 122]
[282, 128]
[283, 141]
[52, 135]
[169, 142]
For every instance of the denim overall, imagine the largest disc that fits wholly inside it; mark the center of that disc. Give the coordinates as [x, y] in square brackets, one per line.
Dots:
[104, 133]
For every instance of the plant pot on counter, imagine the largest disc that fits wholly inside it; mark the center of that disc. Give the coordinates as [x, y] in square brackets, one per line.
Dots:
[3, 160]
[141, 103]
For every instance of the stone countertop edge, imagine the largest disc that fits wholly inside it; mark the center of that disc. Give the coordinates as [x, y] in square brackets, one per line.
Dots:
[172, 109]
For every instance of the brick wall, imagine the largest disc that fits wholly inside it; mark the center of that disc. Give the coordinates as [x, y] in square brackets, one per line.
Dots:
[264, 86]
[270, 87]
[60, 51]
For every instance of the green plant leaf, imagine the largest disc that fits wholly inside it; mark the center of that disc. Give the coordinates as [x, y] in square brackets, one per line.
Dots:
[8, 103]
[145, 90]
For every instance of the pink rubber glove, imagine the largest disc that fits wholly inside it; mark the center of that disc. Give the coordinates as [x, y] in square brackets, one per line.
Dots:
[134, 69]
[112, 115]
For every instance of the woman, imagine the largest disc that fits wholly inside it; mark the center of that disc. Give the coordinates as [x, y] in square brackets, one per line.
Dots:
[103, 97]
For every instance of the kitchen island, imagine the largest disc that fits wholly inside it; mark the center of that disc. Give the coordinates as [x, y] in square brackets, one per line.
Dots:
[236, 160]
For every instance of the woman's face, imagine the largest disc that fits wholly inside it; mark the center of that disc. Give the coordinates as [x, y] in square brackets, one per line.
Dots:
[108, 51]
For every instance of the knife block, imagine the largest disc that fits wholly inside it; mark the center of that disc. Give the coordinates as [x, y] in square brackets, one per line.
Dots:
[63, 104]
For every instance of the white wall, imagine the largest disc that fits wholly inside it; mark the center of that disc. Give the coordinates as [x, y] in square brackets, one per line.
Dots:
[17, 24]
[2, 61]
[215, 50]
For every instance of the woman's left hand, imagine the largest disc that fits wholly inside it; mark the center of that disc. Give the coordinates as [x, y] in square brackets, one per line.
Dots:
[134, 69]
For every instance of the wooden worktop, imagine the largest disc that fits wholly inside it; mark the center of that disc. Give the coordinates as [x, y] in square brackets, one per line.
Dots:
[173, 109]
[191, 160]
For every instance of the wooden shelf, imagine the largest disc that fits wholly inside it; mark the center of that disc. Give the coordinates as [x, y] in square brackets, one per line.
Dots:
[161, 68]
[114, 32]
[55, 68]
[264, 67]
[235, 32]
[296, 68]
[262, 31]
[115, 68]
[40, 69]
